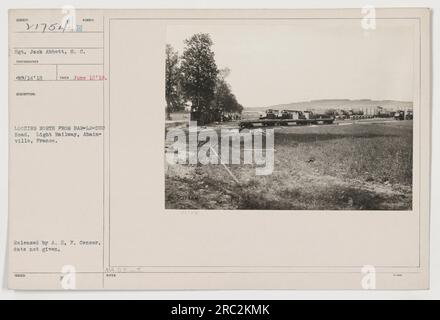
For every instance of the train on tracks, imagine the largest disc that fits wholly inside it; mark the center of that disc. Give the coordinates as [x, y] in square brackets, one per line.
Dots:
[287, 117]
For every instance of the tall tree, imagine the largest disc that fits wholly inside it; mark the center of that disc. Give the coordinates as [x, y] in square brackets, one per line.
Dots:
[199, 73]
[224, 100]
[173, 95]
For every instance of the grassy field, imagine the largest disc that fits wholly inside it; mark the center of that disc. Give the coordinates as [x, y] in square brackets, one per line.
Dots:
[363, 166]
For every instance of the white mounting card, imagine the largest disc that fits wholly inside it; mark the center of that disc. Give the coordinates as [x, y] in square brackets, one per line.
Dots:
[219, 149]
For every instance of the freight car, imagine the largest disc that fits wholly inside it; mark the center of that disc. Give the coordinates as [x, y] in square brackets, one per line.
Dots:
[288, 117]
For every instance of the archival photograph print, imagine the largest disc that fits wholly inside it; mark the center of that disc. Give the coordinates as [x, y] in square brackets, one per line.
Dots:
[289, 115]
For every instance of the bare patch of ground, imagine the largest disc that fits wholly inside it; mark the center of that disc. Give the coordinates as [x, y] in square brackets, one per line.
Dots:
[355, 167]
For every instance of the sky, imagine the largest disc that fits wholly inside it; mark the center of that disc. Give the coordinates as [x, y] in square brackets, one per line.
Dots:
[277, 62]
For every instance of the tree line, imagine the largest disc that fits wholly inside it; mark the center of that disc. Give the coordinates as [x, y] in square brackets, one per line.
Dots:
[195, 79]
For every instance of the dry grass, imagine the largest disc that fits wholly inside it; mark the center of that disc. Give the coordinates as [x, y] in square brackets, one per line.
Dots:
[355, 167]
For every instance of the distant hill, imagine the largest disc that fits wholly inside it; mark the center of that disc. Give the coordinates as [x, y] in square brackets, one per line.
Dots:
[345, 104]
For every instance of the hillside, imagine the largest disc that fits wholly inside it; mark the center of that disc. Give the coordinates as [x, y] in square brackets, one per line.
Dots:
[338, 104]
